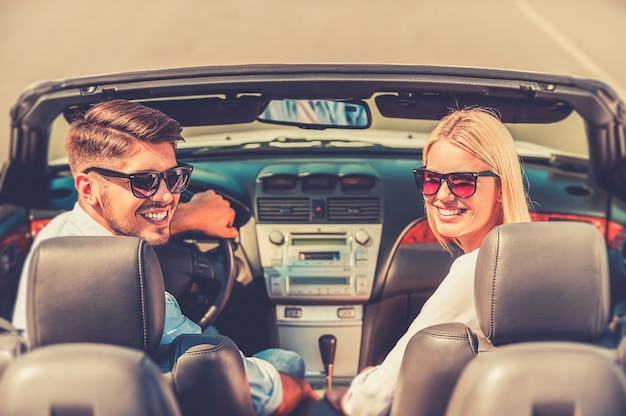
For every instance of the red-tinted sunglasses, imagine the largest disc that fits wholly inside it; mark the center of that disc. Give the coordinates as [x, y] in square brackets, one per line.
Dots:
[461, 184]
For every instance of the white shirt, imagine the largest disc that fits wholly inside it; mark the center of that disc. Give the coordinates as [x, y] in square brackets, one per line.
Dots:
[371, 392]
[264, 380]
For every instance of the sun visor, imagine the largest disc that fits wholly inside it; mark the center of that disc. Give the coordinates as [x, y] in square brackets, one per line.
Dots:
[435, 107]
[210, 111]
[193, 112]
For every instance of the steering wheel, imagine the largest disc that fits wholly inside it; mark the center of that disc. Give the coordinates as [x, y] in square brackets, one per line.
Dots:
[201, 280]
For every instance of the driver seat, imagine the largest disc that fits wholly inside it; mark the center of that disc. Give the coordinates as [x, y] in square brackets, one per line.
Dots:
[110, 290]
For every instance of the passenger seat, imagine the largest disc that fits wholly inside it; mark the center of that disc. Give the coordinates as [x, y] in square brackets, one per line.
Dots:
[541, 379]
[539, 281]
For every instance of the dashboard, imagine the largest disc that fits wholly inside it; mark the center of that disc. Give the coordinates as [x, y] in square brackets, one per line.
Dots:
[319, 230]
[324, 240]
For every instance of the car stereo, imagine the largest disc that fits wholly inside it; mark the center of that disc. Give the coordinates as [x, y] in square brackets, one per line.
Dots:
[319, 261]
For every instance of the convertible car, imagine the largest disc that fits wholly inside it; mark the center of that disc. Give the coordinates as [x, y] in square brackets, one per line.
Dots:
[334, 256]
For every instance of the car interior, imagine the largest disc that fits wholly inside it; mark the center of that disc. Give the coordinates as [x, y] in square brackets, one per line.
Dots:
[334, 257]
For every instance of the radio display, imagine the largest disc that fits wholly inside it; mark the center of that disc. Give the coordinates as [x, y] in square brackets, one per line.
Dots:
[326, 241]
[340, 280]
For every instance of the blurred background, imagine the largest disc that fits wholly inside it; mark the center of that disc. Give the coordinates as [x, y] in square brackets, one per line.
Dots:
[43, 40]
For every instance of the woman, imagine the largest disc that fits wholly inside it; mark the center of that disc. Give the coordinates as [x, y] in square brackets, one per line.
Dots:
[471, 181]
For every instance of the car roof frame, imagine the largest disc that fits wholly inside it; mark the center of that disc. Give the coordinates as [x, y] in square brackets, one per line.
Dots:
[604, 112]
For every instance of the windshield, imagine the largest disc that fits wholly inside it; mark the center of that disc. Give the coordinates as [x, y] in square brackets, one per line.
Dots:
[566, 137]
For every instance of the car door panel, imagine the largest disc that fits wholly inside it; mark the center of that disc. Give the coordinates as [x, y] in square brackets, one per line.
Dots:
[15, 241]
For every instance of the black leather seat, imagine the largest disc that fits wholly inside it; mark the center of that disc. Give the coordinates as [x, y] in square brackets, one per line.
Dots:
[110, 290]
[95, 289]
[534, 281]
[85, 379]
[541, 379]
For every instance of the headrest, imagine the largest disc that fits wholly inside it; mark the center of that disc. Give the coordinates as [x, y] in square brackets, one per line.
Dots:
[542, 281]
[208, 375]
[96, 289]
[541, 378]
[85, 379]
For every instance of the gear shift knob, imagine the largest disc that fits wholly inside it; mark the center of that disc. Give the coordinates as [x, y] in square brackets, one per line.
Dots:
[328, 346]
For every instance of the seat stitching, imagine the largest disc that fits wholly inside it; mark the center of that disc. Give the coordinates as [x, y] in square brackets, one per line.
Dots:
[32, 292]
[142, 295]
[493, 283]
[202, 349]
[455, 338]
[598, 268]
[448, 337]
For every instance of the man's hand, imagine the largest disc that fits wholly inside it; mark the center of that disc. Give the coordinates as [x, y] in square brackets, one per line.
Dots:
[295, 391]
[208, 213]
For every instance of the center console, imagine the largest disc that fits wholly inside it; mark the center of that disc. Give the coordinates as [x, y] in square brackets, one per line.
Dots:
[326, 263]
[319, 276]
[319, 233]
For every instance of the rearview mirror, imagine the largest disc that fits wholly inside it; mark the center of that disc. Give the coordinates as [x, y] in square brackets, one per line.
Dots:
[317, 114]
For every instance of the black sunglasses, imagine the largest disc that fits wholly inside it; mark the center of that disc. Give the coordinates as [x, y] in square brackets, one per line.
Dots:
[461, 184]
[146, 184]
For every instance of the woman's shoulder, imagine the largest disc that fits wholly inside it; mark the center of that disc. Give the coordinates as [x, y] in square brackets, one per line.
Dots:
[465, 260]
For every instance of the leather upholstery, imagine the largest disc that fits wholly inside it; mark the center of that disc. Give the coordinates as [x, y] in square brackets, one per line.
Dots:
[533, 281]
[541, 378]
[543, 281]
[208, 368]
[85, 379]
[96, 289]
[110, 290]
[424, 389]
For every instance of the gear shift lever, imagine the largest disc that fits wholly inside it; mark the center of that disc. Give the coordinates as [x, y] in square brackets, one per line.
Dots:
[328, 345]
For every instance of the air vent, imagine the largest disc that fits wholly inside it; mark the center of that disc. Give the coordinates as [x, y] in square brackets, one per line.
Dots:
[353, 209]
[284, 209]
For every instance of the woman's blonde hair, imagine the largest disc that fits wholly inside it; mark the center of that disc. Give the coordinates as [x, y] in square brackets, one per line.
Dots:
[480, 132]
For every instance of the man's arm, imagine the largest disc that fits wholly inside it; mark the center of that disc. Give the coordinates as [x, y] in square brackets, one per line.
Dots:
[206, 212]
[295, 391]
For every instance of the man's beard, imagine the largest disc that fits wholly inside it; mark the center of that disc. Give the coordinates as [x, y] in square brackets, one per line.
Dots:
[157, 236]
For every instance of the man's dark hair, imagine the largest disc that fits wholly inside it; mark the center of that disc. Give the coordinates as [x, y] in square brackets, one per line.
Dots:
[108, 130]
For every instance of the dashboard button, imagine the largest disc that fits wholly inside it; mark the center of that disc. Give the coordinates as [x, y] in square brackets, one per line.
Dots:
[293, 312]
[319, 208]
[346, 313]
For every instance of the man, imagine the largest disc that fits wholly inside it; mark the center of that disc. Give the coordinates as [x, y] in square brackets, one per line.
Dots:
[122, 157]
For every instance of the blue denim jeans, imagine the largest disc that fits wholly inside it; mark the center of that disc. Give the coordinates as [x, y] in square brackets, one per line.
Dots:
[288, 362]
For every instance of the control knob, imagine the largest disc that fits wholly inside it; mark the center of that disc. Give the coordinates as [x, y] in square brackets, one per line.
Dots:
[362, 237]
[277, 238]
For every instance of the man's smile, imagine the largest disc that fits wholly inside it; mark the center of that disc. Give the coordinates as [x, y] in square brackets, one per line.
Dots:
[155, 216]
